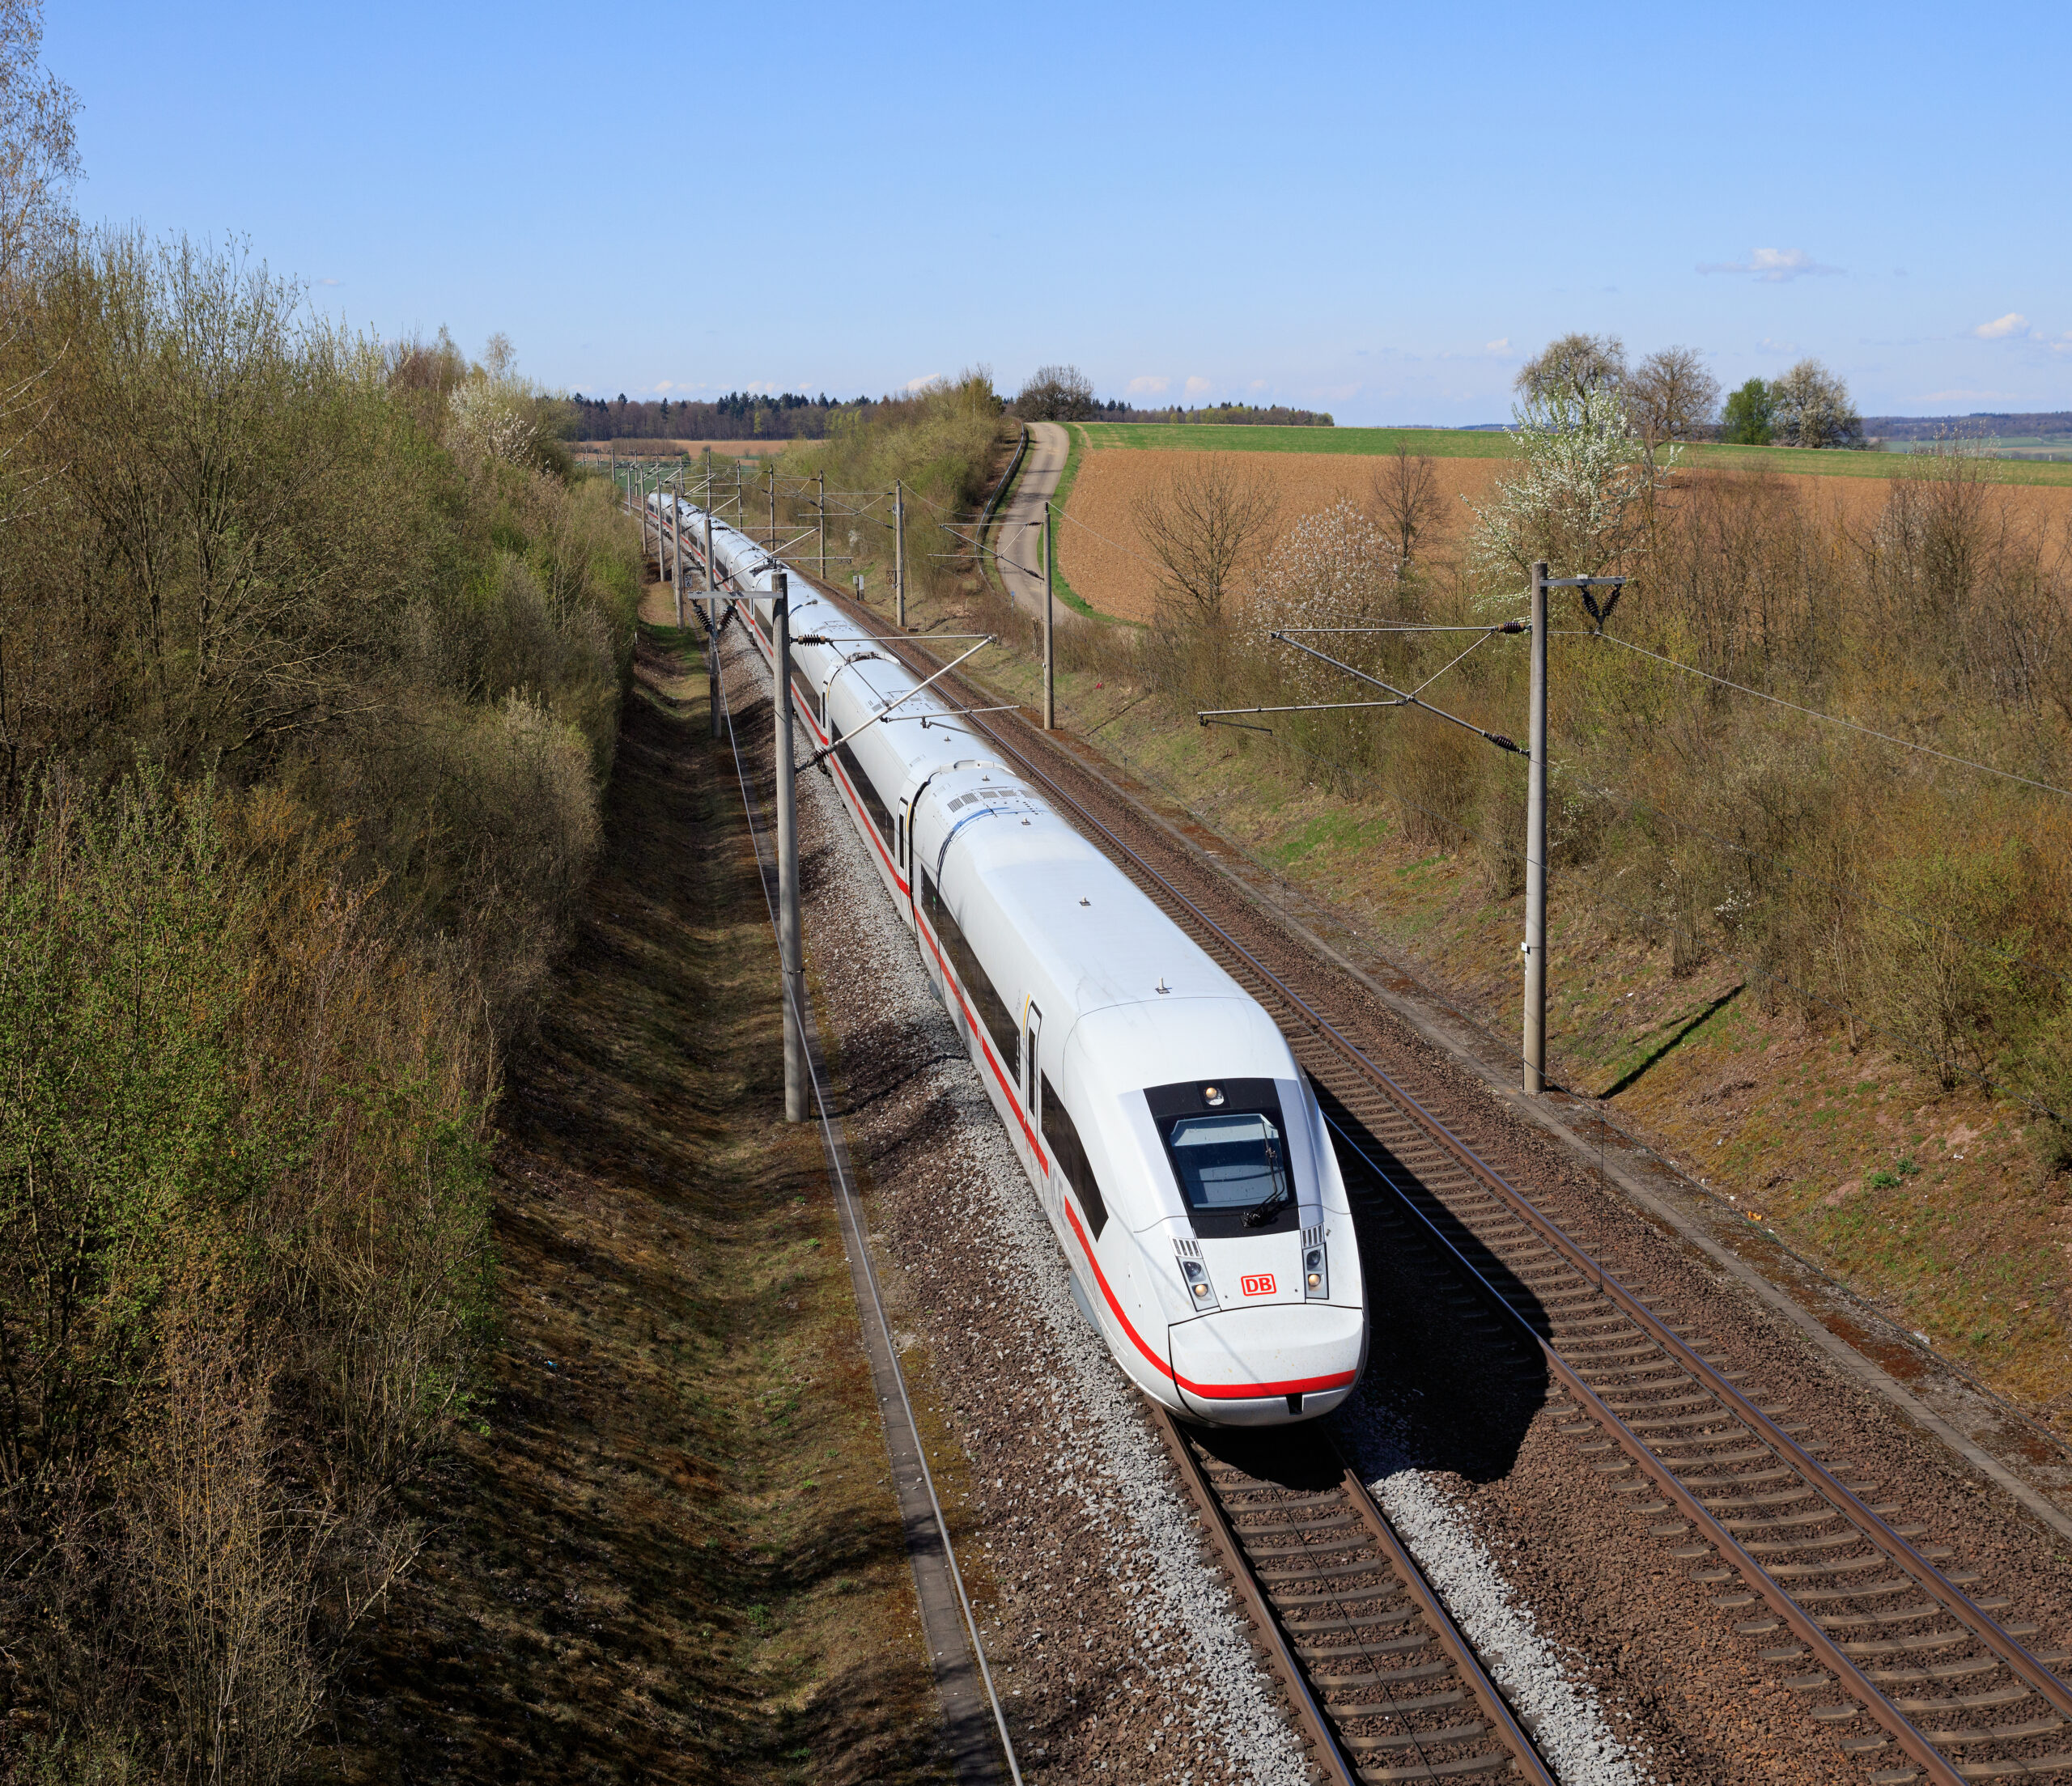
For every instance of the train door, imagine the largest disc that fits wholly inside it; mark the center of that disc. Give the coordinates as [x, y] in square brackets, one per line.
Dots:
[1032, 1078]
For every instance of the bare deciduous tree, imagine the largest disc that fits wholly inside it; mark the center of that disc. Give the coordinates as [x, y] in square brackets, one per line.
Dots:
[1207, 525]
[1570, 369]
[1056, 393]
[38, 150]
[1406, 489]
[1672, 396]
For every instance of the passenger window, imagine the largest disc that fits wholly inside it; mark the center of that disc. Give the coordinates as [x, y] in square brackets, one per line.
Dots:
[1061, 1136]
[881, 813]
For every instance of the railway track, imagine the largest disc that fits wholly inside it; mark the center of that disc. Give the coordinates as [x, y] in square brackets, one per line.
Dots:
[1901, 1661]
[1381, 1680]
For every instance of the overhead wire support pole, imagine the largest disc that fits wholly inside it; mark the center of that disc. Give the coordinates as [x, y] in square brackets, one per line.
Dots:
[789, 961]
[711, 622]
[821, 504]
[899, 554]
[1050, 659]
[676, 553]
[1536, 849]
[1535, 946]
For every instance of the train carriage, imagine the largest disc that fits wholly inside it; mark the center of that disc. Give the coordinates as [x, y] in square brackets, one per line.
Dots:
[1177, 1148]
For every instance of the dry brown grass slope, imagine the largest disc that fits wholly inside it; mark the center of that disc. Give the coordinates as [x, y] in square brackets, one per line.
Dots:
[668, 1551]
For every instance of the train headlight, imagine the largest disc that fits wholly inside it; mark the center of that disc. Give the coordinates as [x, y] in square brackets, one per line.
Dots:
[1316, 1273]
[1200, 1292]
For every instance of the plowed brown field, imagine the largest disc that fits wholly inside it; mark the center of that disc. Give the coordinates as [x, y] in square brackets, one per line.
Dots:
[1107, 564]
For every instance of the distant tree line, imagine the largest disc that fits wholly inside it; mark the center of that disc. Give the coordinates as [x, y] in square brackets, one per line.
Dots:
[1064, 393]
[1256, 415]
[1986, 422]
[740, 415]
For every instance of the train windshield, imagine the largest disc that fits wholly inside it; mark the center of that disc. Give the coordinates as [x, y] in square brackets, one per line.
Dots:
[1234, 1162]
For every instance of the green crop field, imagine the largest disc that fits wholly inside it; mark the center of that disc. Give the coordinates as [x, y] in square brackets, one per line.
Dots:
[1855, 464]
[1492, 444]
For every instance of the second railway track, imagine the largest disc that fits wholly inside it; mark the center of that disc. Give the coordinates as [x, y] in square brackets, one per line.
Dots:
[1907, 1670]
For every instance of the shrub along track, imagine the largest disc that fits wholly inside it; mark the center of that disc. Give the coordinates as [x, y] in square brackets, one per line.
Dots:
[1900, 1667]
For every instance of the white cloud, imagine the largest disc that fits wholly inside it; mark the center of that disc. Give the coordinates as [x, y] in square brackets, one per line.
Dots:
[330, 282]
[923, 384]
[1500, 344]
[665, 385]
[1147, 386]
[1773, 267]
[1196, 386]
[1770, 344]
[1968, 396]
[1257, 384]
[2013, 323]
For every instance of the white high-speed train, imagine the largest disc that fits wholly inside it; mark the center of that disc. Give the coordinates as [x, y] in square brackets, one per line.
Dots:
[1174, 1144]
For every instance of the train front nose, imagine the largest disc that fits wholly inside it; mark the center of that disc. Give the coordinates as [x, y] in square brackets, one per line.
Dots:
[1266, 1366]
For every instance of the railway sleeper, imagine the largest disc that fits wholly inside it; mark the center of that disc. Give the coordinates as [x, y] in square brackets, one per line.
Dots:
[1791, 1572]
[1390, 1708]
[1359, 1622]
[1280, 1552]
[1356, 1653]
[1968, 1702]
[1680, 1464]
[2013, 1770]
[1417, 1739]
[1909, 1645]
[1347, 1517]
[1373, 1565]
[1339, 1597]
[1485, 1764]
[1900, 1615]
[1999, 1733]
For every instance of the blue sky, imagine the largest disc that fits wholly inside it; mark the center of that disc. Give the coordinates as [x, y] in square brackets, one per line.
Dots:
[1376, 209]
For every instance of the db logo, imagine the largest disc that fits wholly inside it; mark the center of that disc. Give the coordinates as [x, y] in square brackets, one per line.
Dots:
[1261, 1284]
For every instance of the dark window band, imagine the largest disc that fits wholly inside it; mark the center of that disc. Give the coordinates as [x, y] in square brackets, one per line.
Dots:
[1062, 1137]
[978, 984]
[881, 813]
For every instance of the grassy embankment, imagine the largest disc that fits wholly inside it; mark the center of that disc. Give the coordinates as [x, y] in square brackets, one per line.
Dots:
[1802, 961]
[670, 1552]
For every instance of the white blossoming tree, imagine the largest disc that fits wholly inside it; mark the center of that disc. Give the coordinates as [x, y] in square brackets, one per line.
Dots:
[1335, 568]
[1578, 495]
[492, 412]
